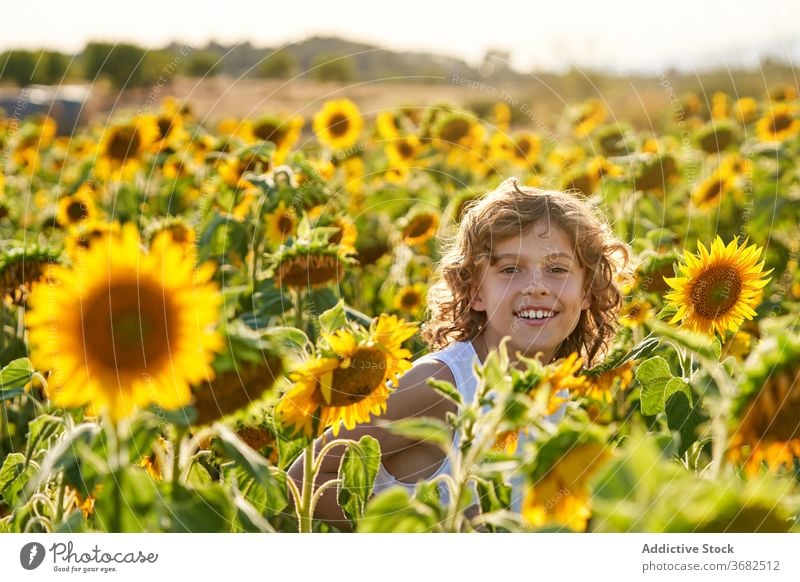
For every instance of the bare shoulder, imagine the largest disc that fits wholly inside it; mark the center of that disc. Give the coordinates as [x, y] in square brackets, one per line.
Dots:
[415, 397]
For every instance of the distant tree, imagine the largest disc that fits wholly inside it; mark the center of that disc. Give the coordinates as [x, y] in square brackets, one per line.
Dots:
[202, 63]
[327, 67]
[281, 64]
[52, 68]
[122, 64]
[18, 66]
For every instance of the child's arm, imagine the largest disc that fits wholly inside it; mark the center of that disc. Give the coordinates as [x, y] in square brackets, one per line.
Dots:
[412, 398]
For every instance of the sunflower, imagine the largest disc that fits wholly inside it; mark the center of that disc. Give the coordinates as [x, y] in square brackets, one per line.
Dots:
[235, 388]
[525, 149]
[599, 167]
[635, 313]
[766, 411]
[712, 190]
[20, 267]
[260, 438]
[123, 329]
[455, 129]
[339, 124]
[603, 386]
[310, 262]
[717, 291]
[656, 173]
[123, 146]
[720, 105]
[559, 481]
[410, 298]
[344, 236]
[84, 234]
[77, 208]
[588, 116]
[281, 223]
[419, 227]
[781, 93]
[500, 115]
[402, 151]
[176, 231]
[745, 110]
[388, 124]
[613, 140]
[779, 123]
[349, 380]
[714, 137]
[157, 460]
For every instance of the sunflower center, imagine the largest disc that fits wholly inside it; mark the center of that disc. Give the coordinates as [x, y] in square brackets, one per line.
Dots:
[713, 191]
[716, 291]
[455, 130]
[419, 226]
[405, 150]
[179, 233]
[77, 211]
[523, 148]
[339, 124]
[285, 224]
[127, 326]
[164, 126]
[364, 375]
[409, 300]
[269, 132]
[124, 143]
[780, 123]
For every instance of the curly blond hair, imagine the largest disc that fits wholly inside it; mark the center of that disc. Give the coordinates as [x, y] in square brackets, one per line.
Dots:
[512, 210]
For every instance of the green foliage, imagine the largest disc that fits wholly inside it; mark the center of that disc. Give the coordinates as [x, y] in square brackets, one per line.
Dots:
[330, 67]
[357, 472]
[280, 64]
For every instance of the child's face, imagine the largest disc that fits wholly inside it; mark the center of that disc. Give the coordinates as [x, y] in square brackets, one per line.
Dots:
[537, 271]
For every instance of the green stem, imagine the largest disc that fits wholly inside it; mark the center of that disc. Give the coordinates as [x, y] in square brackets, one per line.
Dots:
[308, 489]
[116, 526]
[60, 501]
[176, 459]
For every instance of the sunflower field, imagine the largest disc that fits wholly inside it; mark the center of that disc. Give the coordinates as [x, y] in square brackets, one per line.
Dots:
[187, 307]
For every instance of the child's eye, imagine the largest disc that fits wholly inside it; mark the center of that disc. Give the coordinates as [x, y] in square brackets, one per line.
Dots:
[557, 269]
[509, 270]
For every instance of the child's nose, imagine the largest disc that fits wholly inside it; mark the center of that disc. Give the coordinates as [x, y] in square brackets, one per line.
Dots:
[535, 288]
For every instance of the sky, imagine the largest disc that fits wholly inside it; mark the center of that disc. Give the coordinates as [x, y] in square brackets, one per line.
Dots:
[618, 35]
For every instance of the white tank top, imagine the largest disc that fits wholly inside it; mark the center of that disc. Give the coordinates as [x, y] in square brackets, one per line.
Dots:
[459, 358]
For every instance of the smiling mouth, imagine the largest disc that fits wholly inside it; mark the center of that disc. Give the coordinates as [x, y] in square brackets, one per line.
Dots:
[535, 314]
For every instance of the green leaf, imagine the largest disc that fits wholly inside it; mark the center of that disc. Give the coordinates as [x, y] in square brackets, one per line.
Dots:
[494, 494]
[447, 390]
[40, 430]
[265, 500]
[357, 470]
[13, 378]
[393, 511]
[333, 319]
[684, 418]
[253, 464]
[423, 429]
[127, 501]
[641, 350]
[13, 476]
[658, 384]
[288, 338]
[700, 344]
[208, 509]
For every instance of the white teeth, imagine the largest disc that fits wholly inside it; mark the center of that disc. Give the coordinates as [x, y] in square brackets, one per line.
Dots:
[534, 314]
